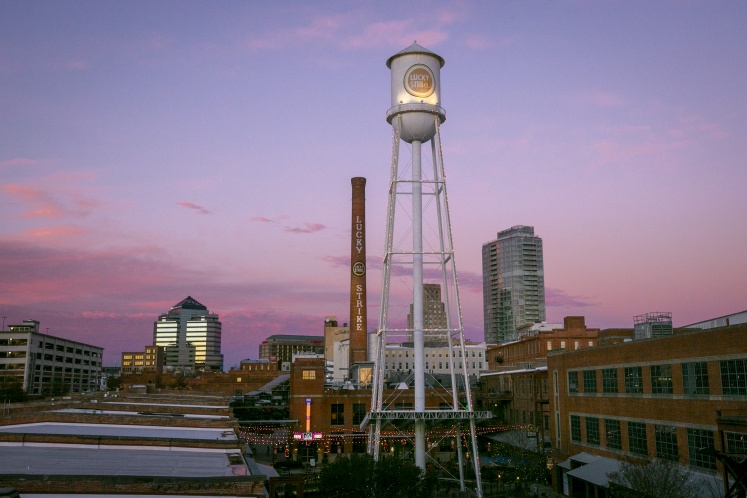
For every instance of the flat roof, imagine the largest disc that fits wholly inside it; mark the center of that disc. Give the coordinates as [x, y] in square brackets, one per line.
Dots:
[596, 471]
[141, 431]
[212, 407]
[94, 411]
[67, 495]
[112, 461]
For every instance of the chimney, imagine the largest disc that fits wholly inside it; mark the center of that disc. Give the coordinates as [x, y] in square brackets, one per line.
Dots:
[358, 324]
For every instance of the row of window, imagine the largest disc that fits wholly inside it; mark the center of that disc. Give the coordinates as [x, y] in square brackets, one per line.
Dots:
[13, 342]
[337, 412]
[430, 366]
[665, 439]
[138, 363]
[67, 378]
[67, 349]
[576, 344]
[733, 375]
[48, 368]
[61, 359]
[396, 354]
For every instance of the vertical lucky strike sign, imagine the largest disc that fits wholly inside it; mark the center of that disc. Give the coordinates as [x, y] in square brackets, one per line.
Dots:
[419, 81]
[359, 269]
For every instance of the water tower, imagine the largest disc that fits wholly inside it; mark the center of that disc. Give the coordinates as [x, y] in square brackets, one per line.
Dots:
[422, 407]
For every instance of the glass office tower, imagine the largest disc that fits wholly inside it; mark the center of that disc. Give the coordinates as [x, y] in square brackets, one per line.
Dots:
[513, 283]
[191, 336]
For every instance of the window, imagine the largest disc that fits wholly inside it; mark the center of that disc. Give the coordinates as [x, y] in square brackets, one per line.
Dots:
[572, 382]
[549, 345]
[637, 442]
[576, 428]
[612, 434]
[309, 374]
[666, 442]
[590, 381]
[697, 441]
[736, 443]
[576, 344]
[592, 430]
[695, 378]
[734, 377]
[661, 379]
[338, 414]
[609, 380]
[633, 380]
[359, 413]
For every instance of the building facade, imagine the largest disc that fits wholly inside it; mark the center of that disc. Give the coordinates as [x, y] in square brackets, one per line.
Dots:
[434, 315]
[150, 360]
[331, 416]
[191, 337]
[400, 358]
[513, 283]
[652, 398]
[281, 347]
[45, 364]
[514, 387]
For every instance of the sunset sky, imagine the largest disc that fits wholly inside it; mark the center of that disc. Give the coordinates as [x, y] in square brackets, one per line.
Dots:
[154, 150]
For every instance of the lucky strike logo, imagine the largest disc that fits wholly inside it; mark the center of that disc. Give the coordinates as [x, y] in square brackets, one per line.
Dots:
[419, 81]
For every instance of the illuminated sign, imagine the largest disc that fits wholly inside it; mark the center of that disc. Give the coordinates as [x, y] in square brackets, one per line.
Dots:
[308, 415]
[307, 436]
[358, 307]
[359, 268]
[419, 81]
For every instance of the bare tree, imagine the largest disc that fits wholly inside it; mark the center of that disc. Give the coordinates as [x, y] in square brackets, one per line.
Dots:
[653, 479]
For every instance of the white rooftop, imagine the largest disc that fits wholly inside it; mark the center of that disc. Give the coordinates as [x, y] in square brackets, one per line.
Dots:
[112, 461]
[141, 431]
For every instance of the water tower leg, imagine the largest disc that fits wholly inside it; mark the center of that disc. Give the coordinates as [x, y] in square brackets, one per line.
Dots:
[417, 300]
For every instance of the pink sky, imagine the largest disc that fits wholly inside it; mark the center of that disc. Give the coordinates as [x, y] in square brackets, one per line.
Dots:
[150, 151]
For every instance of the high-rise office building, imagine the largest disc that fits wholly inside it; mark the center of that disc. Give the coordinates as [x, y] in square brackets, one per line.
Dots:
[513, 283]
[434, 316]
[190, 335]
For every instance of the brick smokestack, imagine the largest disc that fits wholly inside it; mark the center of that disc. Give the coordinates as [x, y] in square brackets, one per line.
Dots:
[358, 323]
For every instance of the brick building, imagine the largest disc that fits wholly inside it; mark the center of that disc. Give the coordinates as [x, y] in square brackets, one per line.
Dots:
[150, 360]
[515, 387]
[281, 347]
[658, 397]
[535, 344]
[335, 414]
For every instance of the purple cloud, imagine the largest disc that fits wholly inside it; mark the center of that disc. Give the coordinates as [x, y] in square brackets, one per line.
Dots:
[306, 228]
[43, 204]
[197, 208]
[337, 261]
[559, 298]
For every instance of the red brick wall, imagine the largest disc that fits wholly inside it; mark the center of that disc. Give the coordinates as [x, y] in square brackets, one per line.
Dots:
[677, 409]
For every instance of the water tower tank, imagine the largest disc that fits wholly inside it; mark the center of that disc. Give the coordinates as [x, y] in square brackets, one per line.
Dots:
[416, 93]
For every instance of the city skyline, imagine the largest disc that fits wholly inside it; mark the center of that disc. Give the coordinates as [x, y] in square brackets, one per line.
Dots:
[155, 151]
